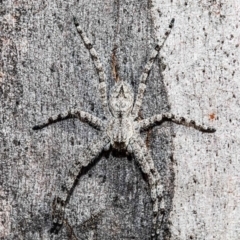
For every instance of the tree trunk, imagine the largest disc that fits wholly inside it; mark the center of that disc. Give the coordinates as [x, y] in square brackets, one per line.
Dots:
[46, 69]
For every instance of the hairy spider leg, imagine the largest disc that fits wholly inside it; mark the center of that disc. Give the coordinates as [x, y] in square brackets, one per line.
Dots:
[147, 69]
[89, 155]
[153, 169]
[93, 121]
[159, 186]
[99, 67]
[160, 118]
[146, 164]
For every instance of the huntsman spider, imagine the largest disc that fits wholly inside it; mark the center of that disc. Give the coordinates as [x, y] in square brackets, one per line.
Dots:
[121, 131]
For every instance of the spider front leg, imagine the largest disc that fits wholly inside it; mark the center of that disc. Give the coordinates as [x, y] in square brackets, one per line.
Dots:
[160, 118]
[89, 155]
[98, 65]
[147, 69]
[146, 164]
[81, 115]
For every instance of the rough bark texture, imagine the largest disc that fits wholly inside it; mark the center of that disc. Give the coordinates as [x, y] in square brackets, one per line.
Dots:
[45, 69]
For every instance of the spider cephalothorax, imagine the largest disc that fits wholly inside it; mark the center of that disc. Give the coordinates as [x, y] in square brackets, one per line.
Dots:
[121, 100]
[121, 130]
[121, 127]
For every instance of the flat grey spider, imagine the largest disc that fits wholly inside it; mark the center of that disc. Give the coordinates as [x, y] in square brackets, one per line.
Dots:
[121, 130]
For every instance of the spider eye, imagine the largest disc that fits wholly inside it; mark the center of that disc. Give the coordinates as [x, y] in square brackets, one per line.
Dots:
[121, 93]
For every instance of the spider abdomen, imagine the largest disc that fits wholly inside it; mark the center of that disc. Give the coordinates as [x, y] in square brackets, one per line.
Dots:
[120, 130]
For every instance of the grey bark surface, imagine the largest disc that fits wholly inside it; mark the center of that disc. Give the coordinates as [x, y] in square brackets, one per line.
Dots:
[46, 69]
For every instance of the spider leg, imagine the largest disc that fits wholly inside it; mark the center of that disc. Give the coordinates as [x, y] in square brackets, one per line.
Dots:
[81, 115]
[89, 155]
[98, 65]
[147, 69]
[146, 164]
[160, 118]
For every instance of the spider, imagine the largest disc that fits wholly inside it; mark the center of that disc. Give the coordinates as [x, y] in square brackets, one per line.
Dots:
[121, 131]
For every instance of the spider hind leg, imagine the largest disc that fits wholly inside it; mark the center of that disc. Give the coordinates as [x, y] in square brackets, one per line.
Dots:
[146, 164]
[90, 154]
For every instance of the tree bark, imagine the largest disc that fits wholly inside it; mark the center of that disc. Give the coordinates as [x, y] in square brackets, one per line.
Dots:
[46, 69]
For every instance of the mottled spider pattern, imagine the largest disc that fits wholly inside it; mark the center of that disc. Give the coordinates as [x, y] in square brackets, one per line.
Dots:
[121, 131]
